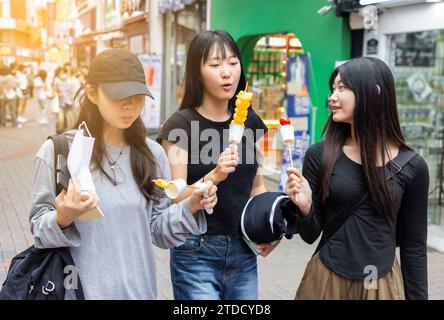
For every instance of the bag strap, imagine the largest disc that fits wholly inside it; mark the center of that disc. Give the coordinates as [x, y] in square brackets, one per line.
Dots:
[336, 224]
[61, 147]
[398, 163]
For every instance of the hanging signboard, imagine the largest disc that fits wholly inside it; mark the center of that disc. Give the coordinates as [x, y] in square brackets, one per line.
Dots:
[152, 64]
[298, 110]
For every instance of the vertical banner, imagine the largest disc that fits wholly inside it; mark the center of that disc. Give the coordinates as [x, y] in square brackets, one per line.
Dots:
[152, 64]
[298, 110]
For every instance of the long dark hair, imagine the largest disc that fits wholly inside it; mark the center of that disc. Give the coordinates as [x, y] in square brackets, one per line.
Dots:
[376, 123]
[143, 163]
[197, 54]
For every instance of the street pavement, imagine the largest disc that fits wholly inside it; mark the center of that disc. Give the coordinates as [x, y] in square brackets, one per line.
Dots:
[279, 273]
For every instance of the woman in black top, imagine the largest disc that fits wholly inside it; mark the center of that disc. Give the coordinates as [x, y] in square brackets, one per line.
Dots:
[218, 264]
[352, 173]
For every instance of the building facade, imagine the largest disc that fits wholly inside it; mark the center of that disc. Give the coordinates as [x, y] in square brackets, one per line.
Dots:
[21, 26]
[414, 51]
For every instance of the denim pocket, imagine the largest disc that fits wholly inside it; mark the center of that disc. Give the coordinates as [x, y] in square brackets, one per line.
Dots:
[192, 244]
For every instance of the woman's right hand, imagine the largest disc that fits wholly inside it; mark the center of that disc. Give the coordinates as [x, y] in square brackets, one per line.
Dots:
[227, 163]
[69, 205]
[299, 191]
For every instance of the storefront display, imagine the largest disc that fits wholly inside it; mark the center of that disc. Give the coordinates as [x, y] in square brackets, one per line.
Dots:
[267, 72]
[182, 20]
[417, 62]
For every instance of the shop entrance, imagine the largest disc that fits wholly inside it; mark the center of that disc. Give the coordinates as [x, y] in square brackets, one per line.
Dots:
[270, 71]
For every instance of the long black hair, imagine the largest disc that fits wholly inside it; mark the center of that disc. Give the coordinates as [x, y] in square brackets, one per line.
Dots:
[198, 52]
[376, 124]
[143, 163]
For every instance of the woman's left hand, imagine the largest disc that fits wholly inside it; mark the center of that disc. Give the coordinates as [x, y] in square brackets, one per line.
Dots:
[199, 201]
[266, 248]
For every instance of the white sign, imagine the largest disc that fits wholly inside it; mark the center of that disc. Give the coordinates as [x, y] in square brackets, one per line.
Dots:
[152, 64]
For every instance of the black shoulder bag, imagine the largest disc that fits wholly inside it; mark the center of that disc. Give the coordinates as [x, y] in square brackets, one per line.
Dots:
[40, 274]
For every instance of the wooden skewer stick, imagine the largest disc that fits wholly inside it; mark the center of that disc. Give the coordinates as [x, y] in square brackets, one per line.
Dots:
[290, 155]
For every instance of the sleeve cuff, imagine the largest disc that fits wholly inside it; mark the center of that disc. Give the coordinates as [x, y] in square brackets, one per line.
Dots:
[53, 236]
[198, 221]
[300, 217]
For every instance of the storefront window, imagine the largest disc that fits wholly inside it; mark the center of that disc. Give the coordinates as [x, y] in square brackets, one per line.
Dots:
[132, 8]
[267, 74]
[111, 13]
[189, 22]
[417, 62]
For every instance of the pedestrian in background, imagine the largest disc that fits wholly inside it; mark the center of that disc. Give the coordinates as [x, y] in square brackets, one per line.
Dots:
[22, 92]
[365, 176]
[63, 89]
[43, 94]
[8, 96]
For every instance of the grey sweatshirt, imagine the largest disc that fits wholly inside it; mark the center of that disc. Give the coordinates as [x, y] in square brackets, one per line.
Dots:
[114, 255]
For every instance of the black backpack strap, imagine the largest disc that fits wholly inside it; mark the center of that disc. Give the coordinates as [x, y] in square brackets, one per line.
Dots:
[61, 147]
[398, 163]
[336, 224]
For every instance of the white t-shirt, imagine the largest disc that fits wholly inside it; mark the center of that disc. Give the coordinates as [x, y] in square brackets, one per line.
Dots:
[43, 89]
[64, 91]
[22, 80]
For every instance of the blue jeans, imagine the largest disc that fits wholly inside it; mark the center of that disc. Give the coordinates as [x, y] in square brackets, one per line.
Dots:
[214, 267]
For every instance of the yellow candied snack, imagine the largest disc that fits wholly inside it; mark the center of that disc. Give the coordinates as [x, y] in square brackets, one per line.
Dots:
[242, 105]
[161, 183]
[245, 95]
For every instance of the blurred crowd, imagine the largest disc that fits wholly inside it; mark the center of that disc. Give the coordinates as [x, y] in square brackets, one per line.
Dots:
[52, 87]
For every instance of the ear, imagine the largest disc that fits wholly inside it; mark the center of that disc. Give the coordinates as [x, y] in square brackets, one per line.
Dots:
[379, 89]
[92, 94]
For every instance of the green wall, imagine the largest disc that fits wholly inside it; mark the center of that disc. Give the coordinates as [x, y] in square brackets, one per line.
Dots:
[326, 38]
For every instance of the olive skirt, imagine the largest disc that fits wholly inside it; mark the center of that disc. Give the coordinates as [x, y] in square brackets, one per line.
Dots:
[321, 283]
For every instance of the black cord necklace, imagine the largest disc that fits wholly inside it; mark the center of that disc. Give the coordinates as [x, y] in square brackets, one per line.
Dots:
[112, 164]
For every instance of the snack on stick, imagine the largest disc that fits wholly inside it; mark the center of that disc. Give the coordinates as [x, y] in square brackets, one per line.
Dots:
[287, 130]
[203, 187]
[240, 116]
[287, 134]
[176, 187]
[172, 188]
[161, 183]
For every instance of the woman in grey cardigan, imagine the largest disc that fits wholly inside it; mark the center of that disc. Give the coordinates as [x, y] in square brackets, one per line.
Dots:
[114, 255]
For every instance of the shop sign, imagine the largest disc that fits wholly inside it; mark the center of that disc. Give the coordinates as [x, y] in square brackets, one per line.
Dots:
[372, 46]
[152, 64]
[298, 99]
[298, 110]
